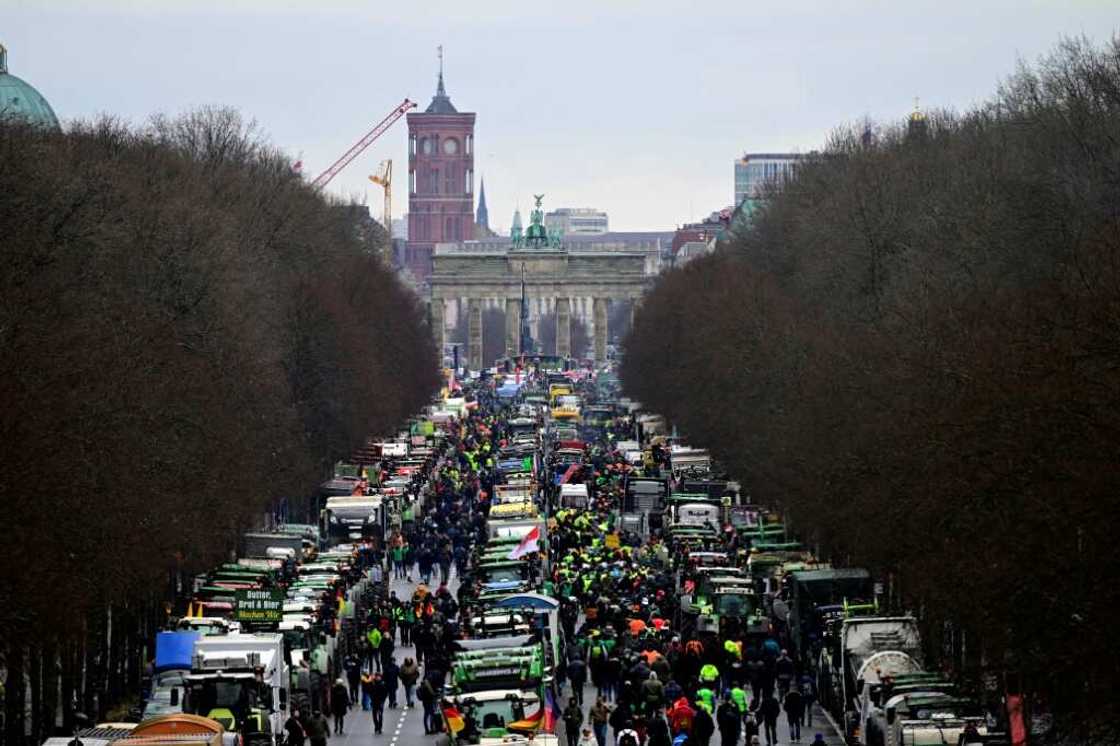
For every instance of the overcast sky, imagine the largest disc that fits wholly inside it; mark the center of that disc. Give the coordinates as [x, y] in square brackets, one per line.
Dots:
[636, 107]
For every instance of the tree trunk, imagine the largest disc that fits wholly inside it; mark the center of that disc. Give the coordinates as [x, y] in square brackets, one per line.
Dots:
[69, 652]
[118, 630]
[103, 671]
[15, 696]
[35, 679]
[91, 646]
[50, 687]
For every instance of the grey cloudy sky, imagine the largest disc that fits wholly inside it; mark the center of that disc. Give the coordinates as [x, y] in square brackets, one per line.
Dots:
[636, 107]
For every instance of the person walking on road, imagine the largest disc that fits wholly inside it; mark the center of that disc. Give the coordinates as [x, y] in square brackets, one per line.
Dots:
[293, 727]
[379, 692]
[600, 717]
[621, 720]
[784, 671]
[653, 693]
[397, 554]
[409, 675]
[353, 666]
[750, 728]
[730, 723]
[702, 728]
[573, 718]
[427, 697]
[658, 731]
[808, 697]
[367, 689]
[318, 728]
[794, 707]
[373, 637]
[391, 675]
[769, 710]
[340, 703]
[577, 675]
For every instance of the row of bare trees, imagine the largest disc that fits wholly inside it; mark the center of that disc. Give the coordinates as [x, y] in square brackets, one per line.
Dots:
[914, 350]
[187, 333]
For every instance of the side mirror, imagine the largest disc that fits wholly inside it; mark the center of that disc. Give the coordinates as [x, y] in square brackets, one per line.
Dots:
[174, 696]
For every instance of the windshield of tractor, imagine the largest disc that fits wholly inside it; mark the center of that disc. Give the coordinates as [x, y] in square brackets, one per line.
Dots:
[499, 713]
[734, 604]
[237, 696]
[503, 574]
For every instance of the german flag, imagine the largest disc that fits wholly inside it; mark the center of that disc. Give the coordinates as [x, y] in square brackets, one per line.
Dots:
[532, 723]
[454, 719]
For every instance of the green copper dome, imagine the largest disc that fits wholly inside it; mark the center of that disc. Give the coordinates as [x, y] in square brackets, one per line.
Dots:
[20, 100]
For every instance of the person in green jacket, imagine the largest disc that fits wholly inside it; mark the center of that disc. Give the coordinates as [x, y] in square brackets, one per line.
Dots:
[741, 700]
[397, 553]
[706, 698]
[374, 639]
[709, 675]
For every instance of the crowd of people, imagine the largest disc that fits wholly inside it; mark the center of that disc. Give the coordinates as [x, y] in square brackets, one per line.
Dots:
[651, 679]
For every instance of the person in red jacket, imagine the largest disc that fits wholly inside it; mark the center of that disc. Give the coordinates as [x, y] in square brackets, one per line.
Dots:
[680, 717]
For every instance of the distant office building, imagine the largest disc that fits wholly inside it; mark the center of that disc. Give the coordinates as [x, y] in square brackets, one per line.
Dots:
[576, 221]
[754, 170]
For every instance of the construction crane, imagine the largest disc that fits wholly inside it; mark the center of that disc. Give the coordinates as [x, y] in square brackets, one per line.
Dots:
[384, 179]
[324, 178]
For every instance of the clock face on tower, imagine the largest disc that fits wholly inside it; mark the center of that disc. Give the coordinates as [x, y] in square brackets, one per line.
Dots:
[450, 146]
[426, 146]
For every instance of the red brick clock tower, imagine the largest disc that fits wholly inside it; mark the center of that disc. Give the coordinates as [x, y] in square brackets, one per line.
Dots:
[440, 180]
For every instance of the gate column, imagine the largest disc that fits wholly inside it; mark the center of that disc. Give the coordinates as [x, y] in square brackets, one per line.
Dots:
[563, 327]
[600, 315]
[474, 334]
[513, 327]
[435, 318]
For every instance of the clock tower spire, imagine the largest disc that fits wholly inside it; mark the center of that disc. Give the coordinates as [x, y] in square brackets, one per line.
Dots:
[440, 178]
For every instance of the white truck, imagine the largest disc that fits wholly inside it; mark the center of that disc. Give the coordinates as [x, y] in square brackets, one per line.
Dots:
[241, 681]
[873, 649]
[931, 719]
[349, 518]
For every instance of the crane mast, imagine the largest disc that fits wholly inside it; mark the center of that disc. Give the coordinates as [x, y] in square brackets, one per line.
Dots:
[384, 179]
[324, 178]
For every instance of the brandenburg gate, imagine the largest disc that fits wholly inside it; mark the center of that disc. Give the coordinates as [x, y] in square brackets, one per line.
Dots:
[547, 275]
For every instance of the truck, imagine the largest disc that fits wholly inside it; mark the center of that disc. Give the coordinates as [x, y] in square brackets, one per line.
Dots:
[690, 460]
[517, 528]
[241, 681]
[351, 517]
[642, 502]
[498, 693]
[693, 519]
[930, 719]
[867, 651]
[812, 592]
[894, 693]
[174, 652]
[271, 545]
